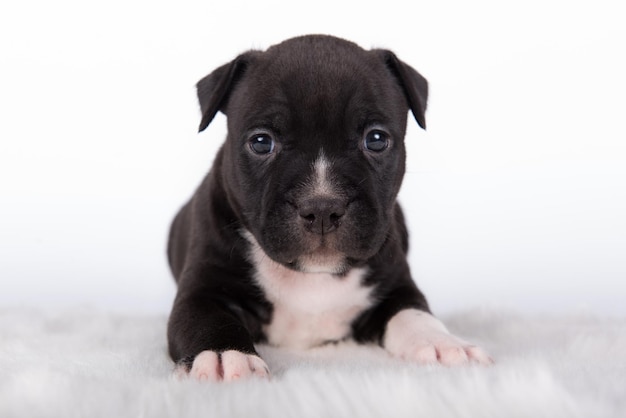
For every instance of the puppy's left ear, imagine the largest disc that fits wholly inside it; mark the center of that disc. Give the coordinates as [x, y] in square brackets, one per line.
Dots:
[413, 83]
[214, 89]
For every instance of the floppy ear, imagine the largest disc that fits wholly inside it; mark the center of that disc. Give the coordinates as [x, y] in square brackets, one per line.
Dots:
[414, 85]
[214, 89]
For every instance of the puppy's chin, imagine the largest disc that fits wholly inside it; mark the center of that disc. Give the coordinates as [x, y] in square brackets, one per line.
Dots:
[328, 262]
[321, 261]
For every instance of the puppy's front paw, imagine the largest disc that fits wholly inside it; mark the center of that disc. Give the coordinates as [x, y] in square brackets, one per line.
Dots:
[227, 366]
[417, 336]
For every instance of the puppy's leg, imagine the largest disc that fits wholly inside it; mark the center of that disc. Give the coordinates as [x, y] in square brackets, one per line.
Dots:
[415, 335]
[208, 342]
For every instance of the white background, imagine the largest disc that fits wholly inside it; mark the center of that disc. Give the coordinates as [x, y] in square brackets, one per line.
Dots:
[515, 195]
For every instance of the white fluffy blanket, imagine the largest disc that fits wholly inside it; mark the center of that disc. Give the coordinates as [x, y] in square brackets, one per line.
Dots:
[90, 364]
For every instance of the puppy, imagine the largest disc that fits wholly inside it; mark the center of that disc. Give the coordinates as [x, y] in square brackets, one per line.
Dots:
[295, 238]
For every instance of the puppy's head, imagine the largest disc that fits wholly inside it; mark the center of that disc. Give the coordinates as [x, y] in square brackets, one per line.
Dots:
[315, 151]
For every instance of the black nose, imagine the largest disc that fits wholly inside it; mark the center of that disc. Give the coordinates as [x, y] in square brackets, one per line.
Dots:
[321, 215]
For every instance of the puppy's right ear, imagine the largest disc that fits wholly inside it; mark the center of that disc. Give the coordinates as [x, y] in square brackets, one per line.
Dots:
[413, 83]
[214, 89]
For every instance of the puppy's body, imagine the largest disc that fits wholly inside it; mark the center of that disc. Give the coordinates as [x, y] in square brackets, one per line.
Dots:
[294, 237]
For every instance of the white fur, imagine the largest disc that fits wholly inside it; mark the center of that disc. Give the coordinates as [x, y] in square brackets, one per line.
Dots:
[416, 335]
[310, 309]
[85, 362]
[322, 185]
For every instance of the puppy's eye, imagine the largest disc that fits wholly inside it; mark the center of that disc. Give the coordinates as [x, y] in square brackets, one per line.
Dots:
[376, 140]
[262, 144]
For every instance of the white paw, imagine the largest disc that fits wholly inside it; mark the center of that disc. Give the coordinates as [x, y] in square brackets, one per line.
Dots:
[227, 366]
[417, 336]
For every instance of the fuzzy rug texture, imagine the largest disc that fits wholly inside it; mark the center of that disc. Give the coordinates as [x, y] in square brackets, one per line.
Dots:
[86, 363]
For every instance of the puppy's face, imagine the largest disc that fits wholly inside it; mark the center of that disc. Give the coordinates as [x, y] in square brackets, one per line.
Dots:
[315, 153]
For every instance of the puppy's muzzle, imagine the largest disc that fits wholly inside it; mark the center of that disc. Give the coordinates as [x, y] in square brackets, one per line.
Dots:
[322, 215]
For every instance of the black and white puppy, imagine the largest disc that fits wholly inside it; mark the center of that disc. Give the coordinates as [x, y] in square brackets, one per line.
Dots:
[295, 238]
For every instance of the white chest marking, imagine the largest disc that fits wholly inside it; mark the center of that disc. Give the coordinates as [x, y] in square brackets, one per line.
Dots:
[310, 309]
